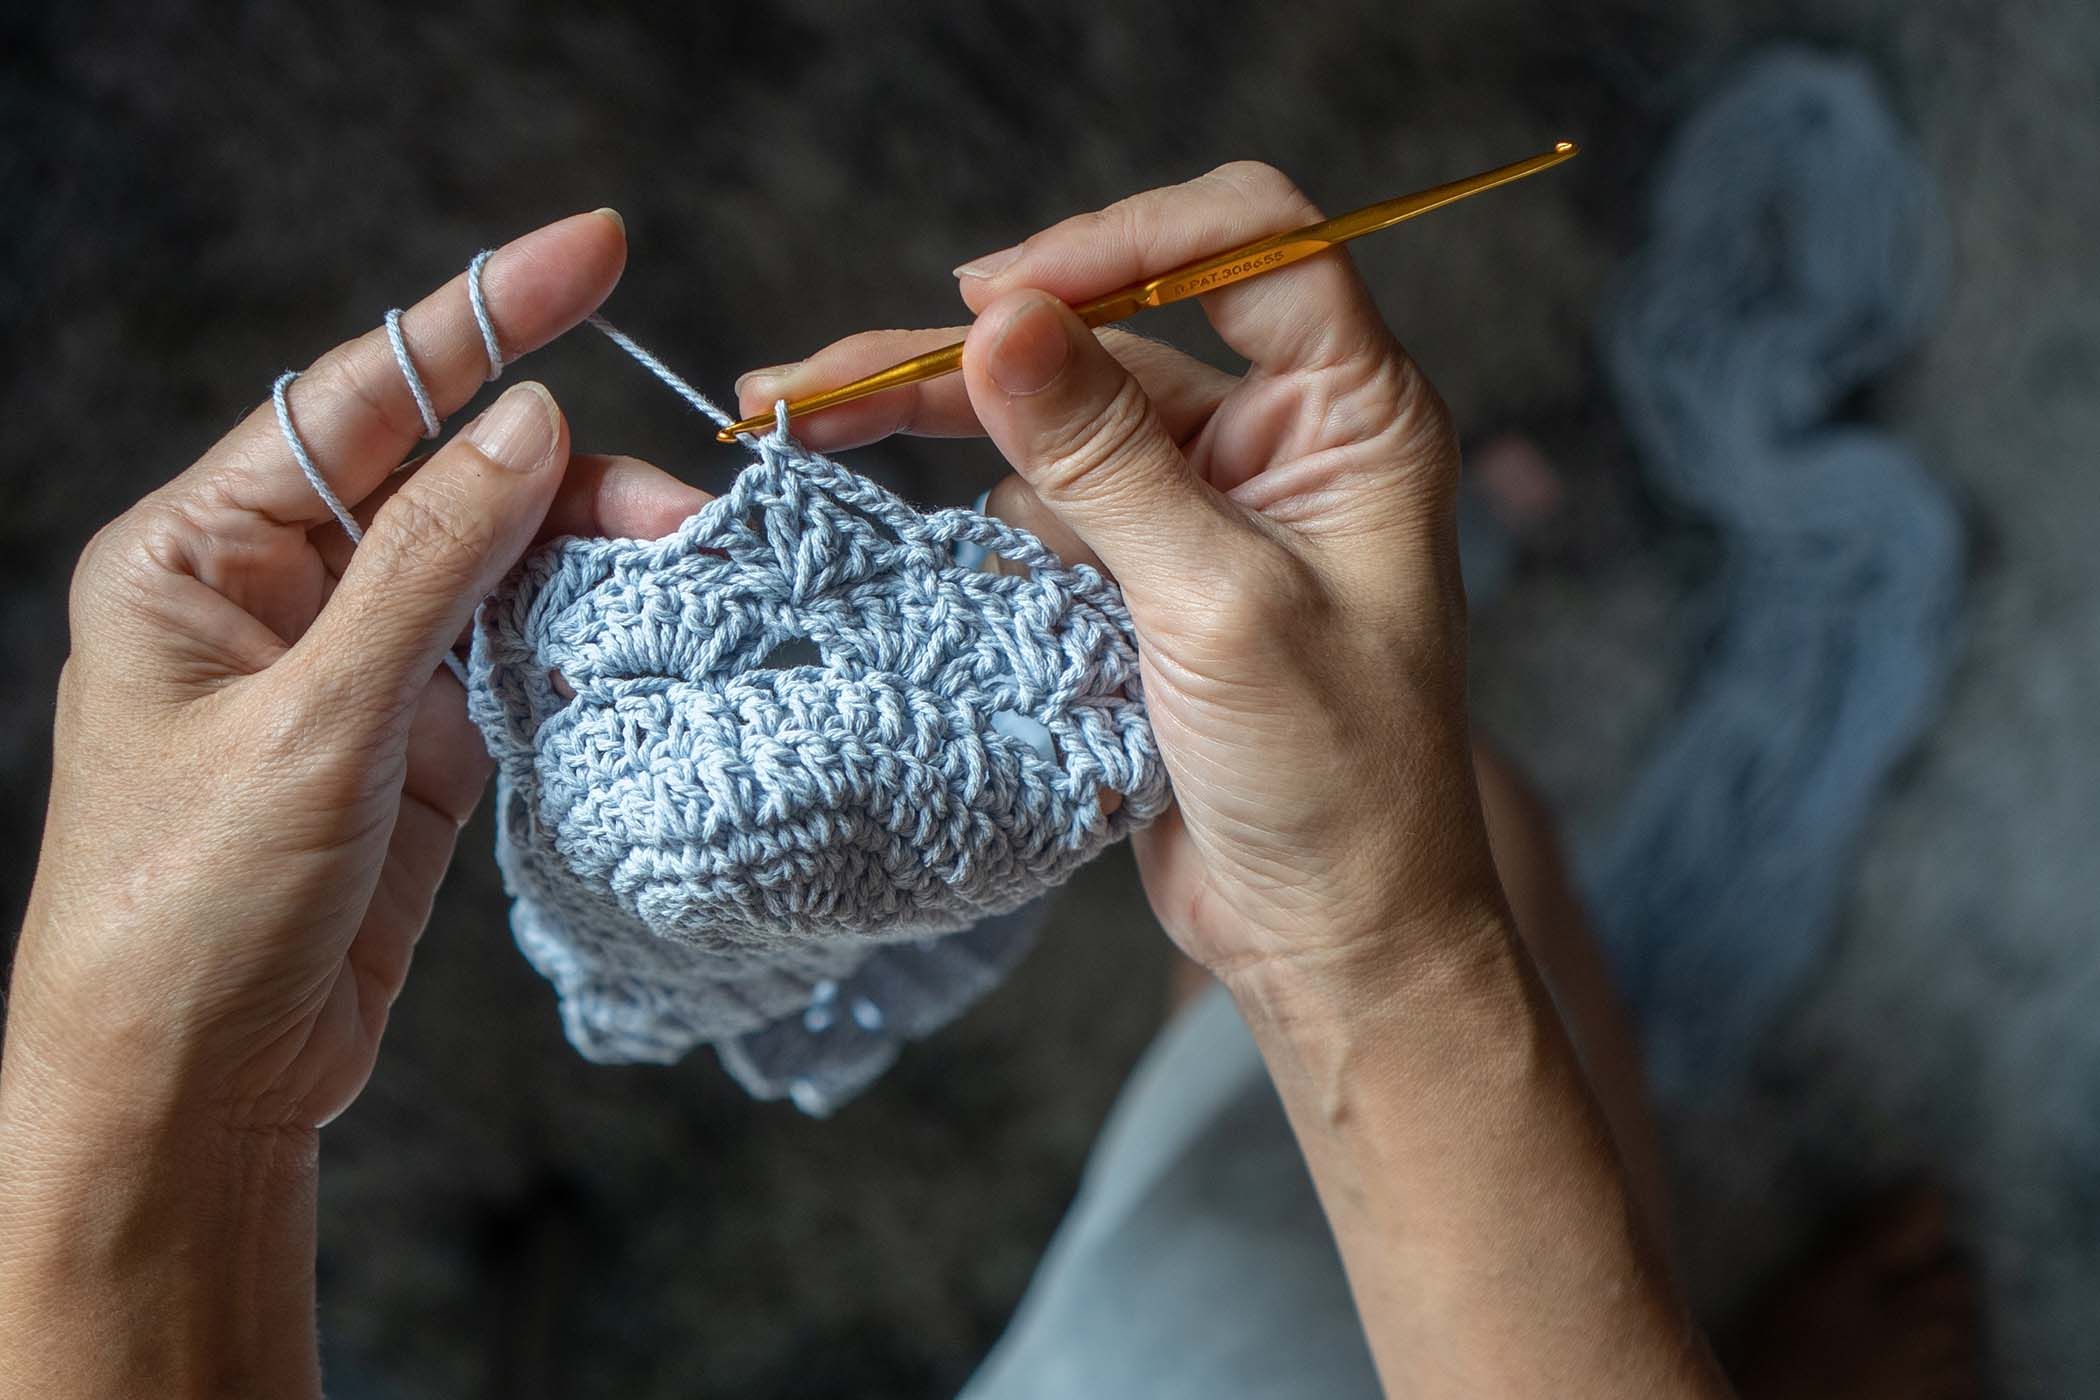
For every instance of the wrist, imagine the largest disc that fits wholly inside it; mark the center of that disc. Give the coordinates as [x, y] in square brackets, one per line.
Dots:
[1446, 1013]
[1415, 975]
[170, 1257]
[112, 1044]
[1465, 1169]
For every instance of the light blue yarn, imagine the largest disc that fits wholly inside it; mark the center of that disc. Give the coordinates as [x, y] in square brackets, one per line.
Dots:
[703, 847]
[425, 409]
[804, 865]
[1797, 248]
[478, 303]
[280, 397]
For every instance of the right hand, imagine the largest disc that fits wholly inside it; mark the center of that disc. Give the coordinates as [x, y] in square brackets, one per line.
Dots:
[1286, 542]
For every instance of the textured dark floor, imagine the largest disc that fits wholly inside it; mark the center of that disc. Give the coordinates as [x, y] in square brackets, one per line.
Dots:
[194, 197]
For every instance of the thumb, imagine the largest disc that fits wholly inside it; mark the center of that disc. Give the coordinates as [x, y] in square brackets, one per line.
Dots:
[435, 550]
[1080, 430]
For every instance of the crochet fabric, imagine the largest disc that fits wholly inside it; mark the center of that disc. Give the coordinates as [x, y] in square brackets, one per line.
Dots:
[785, 781]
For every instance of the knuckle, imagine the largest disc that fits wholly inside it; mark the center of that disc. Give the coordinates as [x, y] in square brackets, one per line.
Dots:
[425, 535]
[1428, 432]
[372, 384]
[101, 556]
[1142, 222]
[1082, 454]
[1264, 186]
[1362, 346]
[1268, 592]
[280, 721]
[160, 536]
[1112, 226]
[1381, 397]
[117, 565]
[314, 733]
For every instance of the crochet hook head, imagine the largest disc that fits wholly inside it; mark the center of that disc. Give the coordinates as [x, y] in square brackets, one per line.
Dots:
[1263, 255]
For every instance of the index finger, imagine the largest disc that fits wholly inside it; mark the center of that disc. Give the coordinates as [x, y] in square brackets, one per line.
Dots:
[1310, 315]
[1181, 387]
[356, 412]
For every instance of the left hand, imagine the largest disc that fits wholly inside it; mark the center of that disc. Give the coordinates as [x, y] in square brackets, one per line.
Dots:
[259, 775]
[260, 769]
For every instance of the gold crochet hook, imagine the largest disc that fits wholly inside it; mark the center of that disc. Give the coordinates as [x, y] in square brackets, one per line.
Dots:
[1190, 279]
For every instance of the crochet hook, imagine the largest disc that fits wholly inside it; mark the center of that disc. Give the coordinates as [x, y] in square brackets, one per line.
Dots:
[1190, 279]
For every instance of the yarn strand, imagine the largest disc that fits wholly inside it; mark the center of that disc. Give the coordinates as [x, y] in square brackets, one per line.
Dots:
[431, 422]
[477, 301]
[280, 395]
[662, 371]
[480, 305]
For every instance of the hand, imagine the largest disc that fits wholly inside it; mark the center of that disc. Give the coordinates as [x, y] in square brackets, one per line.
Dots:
[259, 775]
[1286, 541]
[260, 769]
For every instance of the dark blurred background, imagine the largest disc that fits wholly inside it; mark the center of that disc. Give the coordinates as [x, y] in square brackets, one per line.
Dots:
[194, 197]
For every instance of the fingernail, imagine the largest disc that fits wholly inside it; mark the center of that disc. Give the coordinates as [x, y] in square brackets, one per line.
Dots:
[766, 377]
[1032, 350]
[991, 264]
[613, 214]
[518, 430]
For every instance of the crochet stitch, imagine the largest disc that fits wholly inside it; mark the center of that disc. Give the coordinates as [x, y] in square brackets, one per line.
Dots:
[787, 780]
